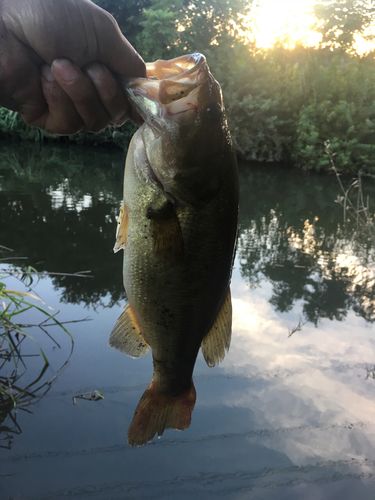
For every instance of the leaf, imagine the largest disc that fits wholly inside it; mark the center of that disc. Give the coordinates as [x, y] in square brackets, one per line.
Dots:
[24, 294]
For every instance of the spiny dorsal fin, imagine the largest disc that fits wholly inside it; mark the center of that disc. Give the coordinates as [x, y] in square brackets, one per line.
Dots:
[122, 229]
[166, 231]
[217, 340]
[127, 337]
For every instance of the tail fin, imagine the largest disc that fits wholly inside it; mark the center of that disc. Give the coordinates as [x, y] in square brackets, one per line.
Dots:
[157, 411]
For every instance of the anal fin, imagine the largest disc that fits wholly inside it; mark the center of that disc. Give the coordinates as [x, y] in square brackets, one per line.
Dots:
[122, 229]
[127, 337]
[217, 340]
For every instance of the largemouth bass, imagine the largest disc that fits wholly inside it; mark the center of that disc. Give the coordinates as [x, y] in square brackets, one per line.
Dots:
[177, 227]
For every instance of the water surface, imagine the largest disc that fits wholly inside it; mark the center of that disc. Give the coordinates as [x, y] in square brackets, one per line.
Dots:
[290, 412]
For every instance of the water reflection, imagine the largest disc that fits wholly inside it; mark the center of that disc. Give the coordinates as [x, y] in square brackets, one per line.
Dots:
[62, 216]
[327, 266]
[290, 231]
[15, 397]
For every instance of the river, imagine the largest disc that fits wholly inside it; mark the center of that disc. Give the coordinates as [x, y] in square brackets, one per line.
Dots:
[288, 414]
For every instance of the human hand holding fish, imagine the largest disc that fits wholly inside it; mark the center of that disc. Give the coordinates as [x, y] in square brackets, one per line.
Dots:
[59, 65]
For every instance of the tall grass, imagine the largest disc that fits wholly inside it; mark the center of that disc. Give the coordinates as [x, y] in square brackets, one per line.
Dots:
[11, 124]
[16, 347]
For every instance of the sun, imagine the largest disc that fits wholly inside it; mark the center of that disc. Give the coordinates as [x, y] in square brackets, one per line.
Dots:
[291, 21]
[284, 19]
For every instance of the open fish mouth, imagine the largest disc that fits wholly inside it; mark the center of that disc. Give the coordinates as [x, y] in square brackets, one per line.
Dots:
[184, 132]
[170, 91]
[181, 68]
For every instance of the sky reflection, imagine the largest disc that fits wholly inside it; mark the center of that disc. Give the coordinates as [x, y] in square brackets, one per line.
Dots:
[310, 390]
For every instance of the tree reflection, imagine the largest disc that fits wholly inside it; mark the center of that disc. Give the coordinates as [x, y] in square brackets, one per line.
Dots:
[58, 207]
[300, 246]
[60, 212]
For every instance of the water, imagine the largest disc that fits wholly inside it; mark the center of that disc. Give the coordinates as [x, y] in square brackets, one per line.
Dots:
[290, 412]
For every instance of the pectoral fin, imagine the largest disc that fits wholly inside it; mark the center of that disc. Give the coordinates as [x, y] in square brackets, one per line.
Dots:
[127, 337]
[217, 340]
[166, 231]
[122, 229]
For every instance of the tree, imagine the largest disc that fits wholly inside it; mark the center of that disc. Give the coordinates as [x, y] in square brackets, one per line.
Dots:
[128, 14]
[341, 20]
[174, 27]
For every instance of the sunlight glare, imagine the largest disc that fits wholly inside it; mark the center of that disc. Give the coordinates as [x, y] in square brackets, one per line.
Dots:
[289, 19]
[290, 22]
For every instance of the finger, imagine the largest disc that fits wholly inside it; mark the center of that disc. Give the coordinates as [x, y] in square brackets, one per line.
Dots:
[80, 31]
[115, 51]
[109, 91]
[60, 115]
[82, 93]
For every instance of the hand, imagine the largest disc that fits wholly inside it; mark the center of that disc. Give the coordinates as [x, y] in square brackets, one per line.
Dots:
[59, 63]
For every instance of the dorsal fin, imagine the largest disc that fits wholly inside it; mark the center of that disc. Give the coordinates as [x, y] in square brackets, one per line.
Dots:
[127, 337]
[217, 340]
[122, 229]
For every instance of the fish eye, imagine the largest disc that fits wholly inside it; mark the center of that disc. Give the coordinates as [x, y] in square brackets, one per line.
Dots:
[214, 112]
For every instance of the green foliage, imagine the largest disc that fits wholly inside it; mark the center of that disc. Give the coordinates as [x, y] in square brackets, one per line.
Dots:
[12, 125]
[128, 14]
[341, 108]
[172, 28]
[282, 104]
[159, 38]
[291, 101]
[339, 21]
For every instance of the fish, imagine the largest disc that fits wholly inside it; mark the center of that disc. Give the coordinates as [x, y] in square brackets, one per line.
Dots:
[177, 228]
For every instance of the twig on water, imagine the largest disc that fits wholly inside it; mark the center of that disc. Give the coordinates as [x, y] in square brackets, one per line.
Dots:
[6, 248]
[78, 274]
[297, 328]
[89, 396]
[370, 373]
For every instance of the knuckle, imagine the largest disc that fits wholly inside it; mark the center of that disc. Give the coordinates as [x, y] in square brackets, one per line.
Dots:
[96, 126]
[65, 126]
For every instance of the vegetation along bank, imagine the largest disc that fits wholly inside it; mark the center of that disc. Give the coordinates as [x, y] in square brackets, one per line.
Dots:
[282, 102]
